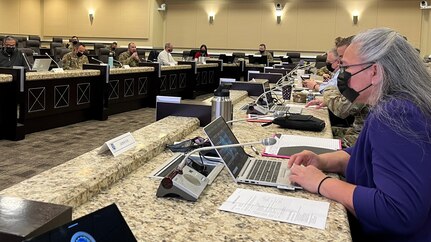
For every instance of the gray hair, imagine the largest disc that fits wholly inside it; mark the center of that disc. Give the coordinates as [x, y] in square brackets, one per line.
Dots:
[9, 38]
[404, 75]
[167, 45]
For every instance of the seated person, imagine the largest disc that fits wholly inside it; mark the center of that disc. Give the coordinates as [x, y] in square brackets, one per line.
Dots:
[129, 57]
[165, 58]
[112, 49]
[332, 63]
[263, 52]
[387, 182]
[72, 42]
[76, 59]
[203, 52]
[10, 56]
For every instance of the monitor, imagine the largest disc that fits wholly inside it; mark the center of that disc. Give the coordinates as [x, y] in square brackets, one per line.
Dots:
[258, 59]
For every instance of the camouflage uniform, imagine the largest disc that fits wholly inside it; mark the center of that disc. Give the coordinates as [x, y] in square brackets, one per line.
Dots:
[71, 61]
[270, 58]
[126, 59]
[343, 108]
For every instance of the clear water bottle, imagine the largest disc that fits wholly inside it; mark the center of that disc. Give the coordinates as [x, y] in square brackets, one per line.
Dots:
[111, 60]
[221, 104]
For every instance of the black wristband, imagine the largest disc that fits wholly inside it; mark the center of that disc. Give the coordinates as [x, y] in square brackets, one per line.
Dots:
[320, 184]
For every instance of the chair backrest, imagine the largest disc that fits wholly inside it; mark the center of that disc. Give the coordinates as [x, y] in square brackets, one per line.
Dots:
[320, 61]
[186, 53]
[57, 39]
[34, 37]
[60, 52]
[29, 54]
[152, 56]
[34, 45]
[97, 47]
[20, 42]
[103, 55]
[141, 53]
[295, 56]
[54, 45]
[239, 54]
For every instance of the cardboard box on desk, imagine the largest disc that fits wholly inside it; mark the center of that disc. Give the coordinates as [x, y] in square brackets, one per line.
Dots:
[21, 219]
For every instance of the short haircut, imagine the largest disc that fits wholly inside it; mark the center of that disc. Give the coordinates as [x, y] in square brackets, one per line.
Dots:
[128, 46]
[167, 45]
[345, 41]
[263, 45]
[9, 38]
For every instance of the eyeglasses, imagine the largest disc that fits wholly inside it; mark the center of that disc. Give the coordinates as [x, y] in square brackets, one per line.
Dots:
[369, 64]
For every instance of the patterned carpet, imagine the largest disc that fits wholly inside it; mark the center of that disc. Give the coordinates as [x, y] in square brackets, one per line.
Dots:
[43, 150]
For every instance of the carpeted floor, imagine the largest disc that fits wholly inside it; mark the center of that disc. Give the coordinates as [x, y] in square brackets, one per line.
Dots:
[43, 150]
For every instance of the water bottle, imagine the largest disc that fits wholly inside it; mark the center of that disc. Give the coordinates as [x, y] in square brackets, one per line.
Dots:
[111, 60]
[221, 104]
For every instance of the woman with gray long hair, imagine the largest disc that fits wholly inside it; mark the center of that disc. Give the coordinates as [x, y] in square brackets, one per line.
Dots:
[388, 171]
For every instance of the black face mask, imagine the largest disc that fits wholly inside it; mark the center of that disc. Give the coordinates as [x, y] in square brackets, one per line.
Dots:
[329, 67]
[9, 50]
[74, 42]
[79, 54]
[261, 51]
[113, 48]
[343, 84]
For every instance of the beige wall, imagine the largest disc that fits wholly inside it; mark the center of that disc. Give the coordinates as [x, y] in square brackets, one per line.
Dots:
[305, 26]
[20, 17]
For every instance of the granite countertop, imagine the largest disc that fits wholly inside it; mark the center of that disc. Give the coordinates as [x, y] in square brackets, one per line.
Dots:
[177, 67]
[115, 71]
[45, 75]
[5, 78]
[168, 219]
[236, 96]
[231, 64]
[208, 65]
[254, 65]
[77, 180]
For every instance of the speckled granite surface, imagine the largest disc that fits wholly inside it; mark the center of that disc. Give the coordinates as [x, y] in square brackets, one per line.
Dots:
[235, 95]
[114, 71]
[208, 65]
[5, 78]
[177, 67]
[167, 219]
[45, 75]
[77, 180]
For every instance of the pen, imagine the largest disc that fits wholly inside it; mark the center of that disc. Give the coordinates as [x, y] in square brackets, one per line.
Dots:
[255, 150]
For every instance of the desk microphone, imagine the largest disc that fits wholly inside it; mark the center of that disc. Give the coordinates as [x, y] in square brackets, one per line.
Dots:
[100, 62]
[55, 62]
[26, 61]
[121, 65]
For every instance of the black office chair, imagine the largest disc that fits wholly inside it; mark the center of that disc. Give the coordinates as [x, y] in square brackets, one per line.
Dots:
[34, 45]
[20, 42]
[152, 56]
[34, 37]
[103, 55]
[97, 47]
[57, 39]
[295, 56]
[54, 45]
[141, 53]
[320, 61]
[28, 54]
[60, 52]
[186, 53]
[118, 51]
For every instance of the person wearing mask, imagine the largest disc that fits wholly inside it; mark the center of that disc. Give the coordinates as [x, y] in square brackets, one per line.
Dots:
[264, 52]
[203, 52]
[387, 181]
[165, 57]
[112, 49]
[72, 42]
[10, 56]
[129, 57]
[75, 59]
[332, 62]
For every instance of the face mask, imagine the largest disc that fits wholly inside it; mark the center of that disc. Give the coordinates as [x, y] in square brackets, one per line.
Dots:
[113, 48]
[74, 42]
[329, 67]
[9, 50]
[343, 85]
[169, 50]
[79, 54]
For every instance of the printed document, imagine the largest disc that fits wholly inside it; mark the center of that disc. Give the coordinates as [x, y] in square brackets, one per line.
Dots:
[278, 207]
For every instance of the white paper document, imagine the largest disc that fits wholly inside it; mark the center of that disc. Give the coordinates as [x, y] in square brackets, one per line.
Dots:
[277, 207]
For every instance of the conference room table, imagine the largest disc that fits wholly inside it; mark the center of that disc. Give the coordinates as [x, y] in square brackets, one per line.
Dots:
[171, 219]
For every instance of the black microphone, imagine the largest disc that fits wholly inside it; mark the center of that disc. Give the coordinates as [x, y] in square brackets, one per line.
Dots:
[26, 61]
[55, 62]
[121, 65]
[100, 62]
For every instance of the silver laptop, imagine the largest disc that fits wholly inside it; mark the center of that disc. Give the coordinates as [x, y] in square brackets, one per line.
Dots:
[41, 64]
[242, 168]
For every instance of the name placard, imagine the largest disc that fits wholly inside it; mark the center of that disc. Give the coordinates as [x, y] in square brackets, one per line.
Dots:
[119, 144]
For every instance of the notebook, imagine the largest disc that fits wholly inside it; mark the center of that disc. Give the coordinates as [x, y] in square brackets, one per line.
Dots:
[41, 64]
[103, 225]
[241, 167]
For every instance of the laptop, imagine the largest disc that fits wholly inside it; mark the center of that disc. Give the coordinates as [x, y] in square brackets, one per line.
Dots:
[241, 167]
[41, 64]
[269, 102]
[104, 225]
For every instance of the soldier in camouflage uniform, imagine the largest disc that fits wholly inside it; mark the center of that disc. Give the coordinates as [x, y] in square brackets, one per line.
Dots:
[129, 57]
[75, 59]
[343, 108]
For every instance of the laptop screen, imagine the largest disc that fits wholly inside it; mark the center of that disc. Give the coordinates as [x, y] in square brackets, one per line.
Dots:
[103, 225]
[41, 64]
[219, 133]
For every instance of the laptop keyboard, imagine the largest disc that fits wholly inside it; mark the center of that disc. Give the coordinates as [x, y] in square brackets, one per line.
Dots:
[279, 108]
[265, 170]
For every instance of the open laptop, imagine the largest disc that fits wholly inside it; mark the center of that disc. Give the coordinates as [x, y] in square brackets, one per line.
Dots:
[104, 225]
[41, 64]
[241, 167]
[269, 102]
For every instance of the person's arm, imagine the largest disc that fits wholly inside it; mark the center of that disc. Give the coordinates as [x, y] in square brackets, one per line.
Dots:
[66, 62]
